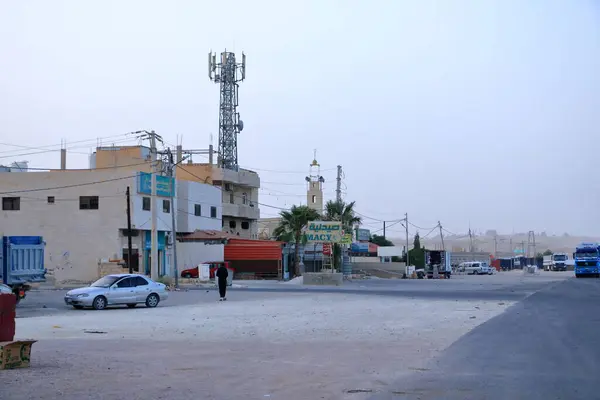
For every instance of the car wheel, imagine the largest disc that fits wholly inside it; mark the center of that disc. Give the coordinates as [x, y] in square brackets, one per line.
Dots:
[152, 300]
[99, 303]
[187, 276]
[78, 307]
[131, 305]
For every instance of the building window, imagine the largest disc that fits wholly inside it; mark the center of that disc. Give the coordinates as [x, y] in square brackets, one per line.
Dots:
[245, 225]
[197, 210]
[314, 199]
[146, 203]
[213, 212]
[88, 202]
[166, 206]
[232, 224]
[231, 198]
[11, 203]
[244, 198]
[50, 199]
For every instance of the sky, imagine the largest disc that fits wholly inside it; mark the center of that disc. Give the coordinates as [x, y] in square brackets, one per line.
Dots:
[475, 113]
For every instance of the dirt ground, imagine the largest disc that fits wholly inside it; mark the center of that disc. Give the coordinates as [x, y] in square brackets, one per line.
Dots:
[303, 346]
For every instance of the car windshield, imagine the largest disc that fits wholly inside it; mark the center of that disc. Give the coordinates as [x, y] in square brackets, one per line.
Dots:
[106, 281]
[561, 257]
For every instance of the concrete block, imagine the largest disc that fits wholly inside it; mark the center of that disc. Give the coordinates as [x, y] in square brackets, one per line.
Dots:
[323, 278]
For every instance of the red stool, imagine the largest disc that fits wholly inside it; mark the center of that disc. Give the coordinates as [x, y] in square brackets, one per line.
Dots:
[8, 304]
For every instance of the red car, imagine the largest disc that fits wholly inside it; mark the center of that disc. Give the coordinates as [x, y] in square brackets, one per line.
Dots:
[214, 265]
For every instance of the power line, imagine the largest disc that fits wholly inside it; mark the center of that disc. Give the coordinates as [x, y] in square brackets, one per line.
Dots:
[87, 169]
[68, 186]
[233, 194]
[60, 144]
[48, 149]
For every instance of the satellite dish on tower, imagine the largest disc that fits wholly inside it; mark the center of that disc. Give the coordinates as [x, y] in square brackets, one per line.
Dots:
[241, 125]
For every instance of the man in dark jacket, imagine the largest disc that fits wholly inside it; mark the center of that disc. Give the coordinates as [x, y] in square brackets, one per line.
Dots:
[222, 275]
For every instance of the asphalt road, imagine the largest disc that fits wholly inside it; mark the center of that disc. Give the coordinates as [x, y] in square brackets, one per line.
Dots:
[545, 347]
[511, 286]
[51, 302]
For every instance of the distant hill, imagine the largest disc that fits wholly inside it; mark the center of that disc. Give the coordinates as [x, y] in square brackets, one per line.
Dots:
[557, 244]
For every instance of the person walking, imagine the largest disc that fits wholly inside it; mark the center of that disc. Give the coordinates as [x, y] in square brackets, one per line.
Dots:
[222, 275]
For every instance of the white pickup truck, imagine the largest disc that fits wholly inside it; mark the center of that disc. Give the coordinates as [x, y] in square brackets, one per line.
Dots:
[475, 268]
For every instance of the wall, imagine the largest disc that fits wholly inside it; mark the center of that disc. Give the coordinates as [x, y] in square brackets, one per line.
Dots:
[75, 239]
[142, 219]
[207, 196]
[190, 254]
[122, 156]
[266, 226]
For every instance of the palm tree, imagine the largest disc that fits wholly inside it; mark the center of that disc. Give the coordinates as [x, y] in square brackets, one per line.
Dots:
[340, 211]
[291, 226]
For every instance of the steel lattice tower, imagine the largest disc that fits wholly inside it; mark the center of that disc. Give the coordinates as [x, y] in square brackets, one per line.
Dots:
[228, 73]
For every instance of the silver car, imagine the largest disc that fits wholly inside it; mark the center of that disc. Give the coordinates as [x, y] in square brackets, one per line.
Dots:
[119, 289]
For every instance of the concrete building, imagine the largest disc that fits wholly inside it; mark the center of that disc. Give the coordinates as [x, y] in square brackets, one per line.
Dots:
[239, 189]
[82, 216]
[266, 226]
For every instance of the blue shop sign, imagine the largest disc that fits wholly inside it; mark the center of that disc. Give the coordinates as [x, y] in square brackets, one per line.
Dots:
[163, 184]
[359, 247]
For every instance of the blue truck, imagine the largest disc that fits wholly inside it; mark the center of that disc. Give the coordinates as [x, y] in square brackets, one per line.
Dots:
[587, 257]
[21, 263]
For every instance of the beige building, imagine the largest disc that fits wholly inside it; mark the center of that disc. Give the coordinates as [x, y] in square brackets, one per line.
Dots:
[81, 215]
[239, 189]
[266, 227]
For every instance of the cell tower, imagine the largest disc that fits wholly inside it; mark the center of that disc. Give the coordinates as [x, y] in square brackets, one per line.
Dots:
[227, 73]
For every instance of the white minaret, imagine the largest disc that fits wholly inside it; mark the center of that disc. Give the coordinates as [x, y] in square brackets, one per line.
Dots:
[314, 190]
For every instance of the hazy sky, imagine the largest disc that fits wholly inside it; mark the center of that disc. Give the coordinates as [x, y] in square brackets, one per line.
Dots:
[480, 112]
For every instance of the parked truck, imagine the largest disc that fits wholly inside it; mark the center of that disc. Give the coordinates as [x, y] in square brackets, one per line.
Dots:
[437, 264]
[587, 257]
[21, 263]
[556, 262]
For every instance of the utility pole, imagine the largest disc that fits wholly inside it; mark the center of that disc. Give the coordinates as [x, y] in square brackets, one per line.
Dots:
[441, 235]
[406, 226]
[470, 240]
[129, 245]
[495, 246]
[338, 189]
[172, 188]
[153, 208]
[153, 137]
[384, 229]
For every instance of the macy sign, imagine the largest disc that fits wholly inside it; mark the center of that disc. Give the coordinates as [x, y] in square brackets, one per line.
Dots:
[324, 231]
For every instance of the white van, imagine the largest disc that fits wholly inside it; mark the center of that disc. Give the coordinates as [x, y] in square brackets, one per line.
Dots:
[475, 267]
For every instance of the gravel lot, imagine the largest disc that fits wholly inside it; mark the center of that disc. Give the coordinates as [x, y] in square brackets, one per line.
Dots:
[294, 345]
[299, 347]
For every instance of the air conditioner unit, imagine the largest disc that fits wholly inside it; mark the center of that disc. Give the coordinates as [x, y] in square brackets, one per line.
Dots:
[169, 239]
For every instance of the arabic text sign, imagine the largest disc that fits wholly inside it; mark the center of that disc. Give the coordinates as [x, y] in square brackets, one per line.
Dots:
[347, 238]
[363, 235]
[324, 231]
[163, 184]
